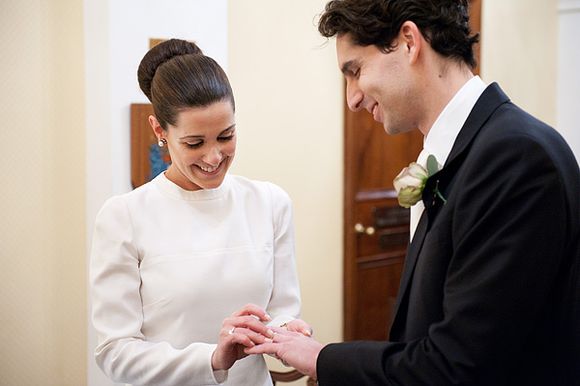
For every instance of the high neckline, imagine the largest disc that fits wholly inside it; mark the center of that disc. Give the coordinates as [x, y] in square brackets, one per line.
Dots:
[175, 191]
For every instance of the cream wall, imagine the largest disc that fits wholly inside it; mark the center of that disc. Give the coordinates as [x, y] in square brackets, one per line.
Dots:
[519, 50]
[568, 121]
[289, 116]
[42, 239]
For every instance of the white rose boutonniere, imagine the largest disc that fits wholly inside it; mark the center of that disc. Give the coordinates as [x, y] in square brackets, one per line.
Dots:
[410, 183]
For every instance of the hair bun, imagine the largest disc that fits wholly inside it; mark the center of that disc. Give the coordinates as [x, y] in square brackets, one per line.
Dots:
[158, 55]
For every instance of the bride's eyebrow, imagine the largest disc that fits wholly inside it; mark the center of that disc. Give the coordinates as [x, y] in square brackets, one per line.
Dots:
[202, 136]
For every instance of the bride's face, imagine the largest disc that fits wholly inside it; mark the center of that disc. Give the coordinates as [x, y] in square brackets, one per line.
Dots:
[202, 145]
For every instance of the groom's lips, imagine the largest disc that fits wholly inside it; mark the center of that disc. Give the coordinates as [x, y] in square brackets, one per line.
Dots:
[376, 113]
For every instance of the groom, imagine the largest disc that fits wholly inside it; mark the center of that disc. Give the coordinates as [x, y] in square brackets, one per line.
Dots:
[490, 289]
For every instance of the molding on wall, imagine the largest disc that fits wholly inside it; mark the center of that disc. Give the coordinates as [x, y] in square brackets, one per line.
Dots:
[569, 7]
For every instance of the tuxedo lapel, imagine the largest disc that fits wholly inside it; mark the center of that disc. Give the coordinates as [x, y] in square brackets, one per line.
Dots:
[410, 261]
[488, 102]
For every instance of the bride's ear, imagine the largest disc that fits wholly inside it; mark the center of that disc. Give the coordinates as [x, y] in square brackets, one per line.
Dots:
[157, 129]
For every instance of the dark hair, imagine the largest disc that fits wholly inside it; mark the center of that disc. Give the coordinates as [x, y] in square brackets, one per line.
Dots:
[175, 75]
[443, 23]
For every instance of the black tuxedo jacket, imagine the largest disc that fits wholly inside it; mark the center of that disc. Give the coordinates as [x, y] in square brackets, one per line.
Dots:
[490, 293]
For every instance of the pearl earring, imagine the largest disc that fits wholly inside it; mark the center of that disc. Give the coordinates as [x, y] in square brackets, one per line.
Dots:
[162, 142]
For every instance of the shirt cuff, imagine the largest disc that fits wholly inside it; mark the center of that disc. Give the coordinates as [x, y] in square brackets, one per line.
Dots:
[220, 376]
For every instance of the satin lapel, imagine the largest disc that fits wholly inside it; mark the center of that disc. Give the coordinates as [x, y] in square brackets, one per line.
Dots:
[487, 103]
[410, 261]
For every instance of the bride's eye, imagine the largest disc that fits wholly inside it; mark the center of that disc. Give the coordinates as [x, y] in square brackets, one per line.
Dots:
[194, 145]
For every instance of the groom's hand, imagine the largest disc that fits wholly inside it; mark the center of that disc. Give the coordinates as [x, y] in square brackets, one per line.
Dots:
[292, 348]
[299, 325]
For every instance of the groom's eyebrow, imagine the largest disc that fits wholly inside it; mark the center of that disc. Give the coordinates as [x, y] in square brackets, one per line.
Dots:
[346, 68]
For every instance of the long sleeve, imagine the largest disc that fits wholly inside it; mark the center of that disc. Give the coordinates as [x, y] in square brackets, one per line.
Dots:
[284, 304]
[122, 352]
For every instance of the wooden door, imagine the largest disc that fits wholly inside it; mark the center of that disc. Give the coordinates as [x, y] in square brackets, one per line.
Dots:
[376, 228]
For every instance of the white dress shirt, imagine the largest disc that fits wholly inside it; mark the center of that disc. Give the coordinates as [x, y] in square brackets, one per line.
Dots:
[441, 137]
[168, 265]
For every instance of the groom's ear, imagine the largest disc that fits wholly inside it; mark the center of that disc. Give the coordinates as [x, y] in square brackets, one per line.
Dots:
[411, 41]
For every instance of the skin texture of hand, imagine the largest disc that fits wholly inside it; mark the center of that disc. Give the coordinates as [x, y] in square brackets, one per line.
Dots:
[244, 329]
[299, 325]
[293, 349]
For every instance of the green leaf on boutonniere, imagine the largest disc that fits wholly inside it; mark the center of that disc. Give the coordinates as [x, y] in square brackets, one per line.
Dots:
[432, 165]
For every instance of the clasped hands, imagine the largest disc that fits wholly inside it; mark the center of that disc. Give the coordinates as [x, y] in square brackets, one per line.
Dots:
[246, 332]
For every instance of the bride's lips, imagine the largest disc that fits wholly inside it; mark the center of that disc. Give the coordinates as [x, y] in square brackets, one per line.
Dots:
[216, 171]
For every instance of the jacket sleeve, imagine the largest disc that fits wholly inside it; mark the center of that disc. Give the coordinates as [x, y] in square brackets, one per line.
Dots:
[284, 304]
[507, 233]
[122, 351]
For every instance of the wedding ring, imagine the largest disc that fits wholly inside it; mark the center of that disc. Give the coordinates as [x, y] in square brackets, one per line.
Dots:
[231, 331]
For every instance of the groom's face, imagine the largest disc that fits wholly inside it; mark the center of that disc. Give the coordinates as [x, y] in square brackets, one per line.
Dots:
[378, 82]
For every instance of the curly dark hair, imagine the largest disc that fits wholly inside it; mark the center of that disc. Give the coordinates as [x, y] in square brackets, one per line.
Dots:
[175, 75]
[443, 23]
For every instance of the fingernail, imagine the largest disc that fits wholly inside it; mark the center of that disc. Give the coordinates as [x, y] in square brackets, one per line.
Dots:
[268, 340]
[268, 317]
[306, 332]
[270, 333]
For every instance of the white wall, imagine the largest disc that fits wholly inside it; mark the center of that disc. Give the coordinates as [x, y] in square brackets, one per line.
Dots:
[117, 36]
[568, 117]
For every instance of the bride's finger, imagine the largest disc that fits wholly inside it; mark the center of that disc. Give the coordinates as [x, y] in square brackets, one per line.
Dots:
[250, 323]
[253, 310]
[253, 336]
[237, 335]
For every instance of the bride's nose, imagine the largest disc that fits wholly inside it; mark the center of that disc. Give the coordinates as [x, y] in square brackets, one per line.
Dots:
[213, 157]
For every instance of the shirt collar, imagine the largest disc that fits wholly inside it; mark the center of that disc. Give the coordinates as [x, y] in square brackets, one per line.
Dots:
[441, 137]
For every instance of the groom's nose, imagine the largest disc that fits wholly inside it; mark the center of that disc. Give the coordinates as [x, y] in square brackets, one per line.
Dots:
[354, 95]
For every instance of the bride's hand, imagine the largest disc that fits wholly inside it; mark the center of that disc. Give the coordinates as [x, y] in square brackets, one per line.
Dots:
[245, 328]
